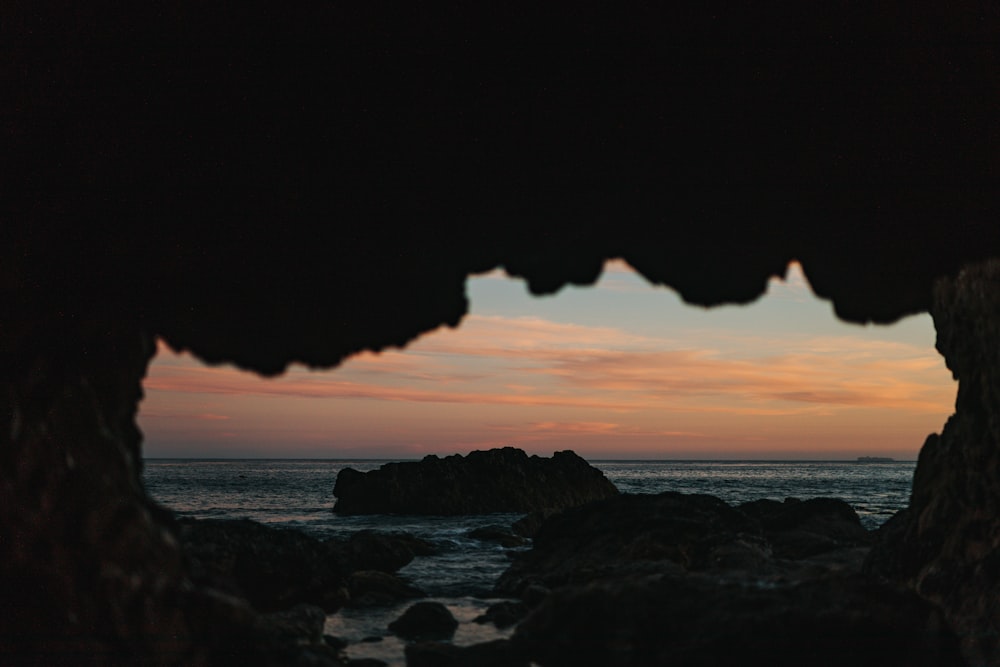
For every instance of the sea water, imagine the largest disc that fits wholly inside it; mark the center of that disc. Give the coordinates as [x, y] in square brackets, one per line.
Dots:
[299, 494]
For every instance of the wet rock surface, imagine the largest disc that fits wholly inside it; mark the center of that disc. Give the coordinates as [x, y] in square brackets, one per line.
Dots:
[497, 480]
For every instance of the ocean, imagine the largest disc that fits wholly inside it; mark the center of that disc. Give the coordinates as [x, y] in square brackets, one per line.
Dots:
[298, 493]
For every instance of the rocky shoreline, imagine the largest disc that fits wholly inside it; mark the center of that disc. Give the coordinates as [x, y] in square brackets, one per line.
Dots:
[630, 579]
[690, 580]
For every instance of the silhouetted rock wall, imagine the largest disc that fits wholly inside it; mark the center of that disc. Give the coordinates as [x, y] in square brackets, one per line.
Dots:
[264, 185]
[87, 572]
[947, 544]
[91, 572]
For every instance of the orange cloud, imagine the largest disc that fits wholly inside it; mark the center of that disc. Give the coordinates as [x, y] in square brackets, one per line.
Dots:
[211, 417]
[235, 383]
[528, 379]
[205, 416]
[592, 428]
[544, 363]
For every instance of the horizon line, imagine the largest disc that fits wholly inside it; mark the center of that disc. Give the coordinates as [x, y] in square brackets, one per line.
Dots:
[855, 459]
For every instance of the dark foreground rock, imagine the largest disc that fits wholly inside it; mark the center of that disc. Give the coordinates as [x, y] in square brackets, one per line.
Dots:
[690, 580]
[425, 620]
[385, 552]
[276, 568]
[798, 529]
[272, 568]
[647, 534]
[239, 635]
[847, 621]
[498, 480]
[302, 622]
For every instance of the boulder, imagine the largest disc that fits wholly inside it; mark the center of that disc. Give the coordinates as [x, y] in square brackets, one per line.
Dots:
[798, 529]
[483, 482]
[425, 620]
[386, 552]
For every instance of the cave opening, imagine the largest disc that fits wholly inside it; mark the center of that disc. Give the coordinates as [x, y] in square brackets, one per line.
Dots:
[617, 370]
[769, 400]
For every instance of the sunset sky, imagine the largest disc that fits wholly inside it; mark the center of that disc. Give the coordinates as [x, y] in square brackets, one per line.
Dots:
[618, 370]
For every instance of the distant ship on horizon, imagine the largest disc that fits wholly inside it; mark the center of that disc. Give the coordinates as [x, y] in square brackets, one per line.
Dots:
[875, 459]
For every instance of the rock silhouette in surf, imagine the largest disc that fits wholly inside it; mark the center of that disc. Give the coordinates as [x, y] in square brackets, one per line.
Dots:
[497, 480]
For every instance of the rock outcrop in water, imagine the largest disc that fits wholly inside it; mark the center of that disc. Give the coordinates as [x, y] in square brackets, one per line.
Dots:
[497, 480]
[689, 580]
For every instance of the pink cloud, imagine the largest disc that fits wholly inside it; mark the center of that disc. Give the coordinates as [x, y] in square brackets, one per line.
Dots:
[592, 428]
[530, 380]
[534, 362]
[212, 417]
[235, 383]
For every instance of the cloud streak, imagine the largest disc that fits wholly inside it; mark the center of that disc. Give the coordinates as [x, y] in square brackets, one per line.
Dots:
[550, 364]
[233, 383]
[529, 379]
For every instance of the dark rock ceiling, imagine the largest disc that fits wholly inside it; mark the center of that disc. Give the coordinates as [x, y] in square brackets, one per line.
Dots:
[263, 183]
